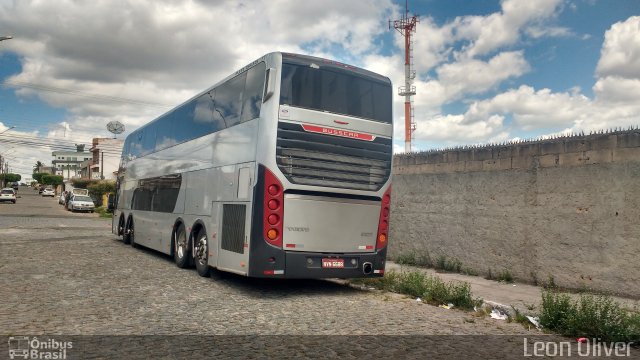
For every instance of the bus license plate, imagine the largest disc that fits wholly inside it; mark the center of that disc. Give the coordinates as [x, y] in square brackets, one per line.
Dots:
[333, 263]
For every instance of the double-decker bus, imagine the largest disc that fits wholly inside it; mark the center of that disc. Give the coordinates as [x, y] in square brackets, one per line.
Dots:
[283, 170]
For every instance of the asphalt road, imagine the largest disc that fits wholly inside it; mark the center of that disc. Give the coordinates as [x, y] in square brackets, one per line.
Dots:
[64, 273]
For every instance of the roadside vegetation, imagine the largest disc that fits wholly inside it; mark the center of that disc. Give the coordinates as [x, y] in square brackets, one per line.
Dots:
[428, 288]
[441, 263]
[585, 315]
[590, 316]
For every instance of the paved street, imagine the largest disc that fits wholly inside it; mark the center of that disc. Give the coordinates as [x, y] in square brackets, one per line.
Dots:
[65, 273]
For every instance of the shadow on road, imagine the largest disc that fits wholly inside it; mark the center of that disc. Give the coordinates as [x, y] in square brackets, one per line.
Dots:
[260, 287]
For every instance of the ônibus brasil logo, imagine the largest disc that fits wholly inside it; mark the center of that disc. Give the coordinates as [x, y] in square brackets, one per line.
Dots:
[24, 347]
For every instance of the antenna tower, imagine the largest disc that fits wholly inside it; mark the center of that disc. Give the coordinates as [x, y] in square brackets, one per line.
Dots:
[405, 26]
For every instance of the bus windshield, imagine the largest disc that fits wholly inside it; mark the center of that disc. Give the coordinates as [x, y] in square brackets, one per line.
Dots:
[336, 90]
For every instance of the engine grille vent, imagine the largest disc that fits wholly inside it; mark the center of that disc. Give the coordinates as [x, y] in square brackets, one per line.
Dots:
[325, 160]
[233, 223]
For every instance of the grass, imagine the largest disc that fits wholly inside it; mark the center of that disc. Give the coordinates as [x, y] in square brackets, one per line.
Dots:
[429, 288]
[102, 211]
[505, 276]
[414, 259]
[591, 316]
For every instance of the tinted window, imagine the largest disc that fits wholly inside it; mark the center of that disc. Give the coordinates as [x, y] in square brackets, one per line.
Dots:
[253, 90]
[165, 136]
[157, 194]
[337, 91]
[82, 198]
[228, 100]
[237, 100]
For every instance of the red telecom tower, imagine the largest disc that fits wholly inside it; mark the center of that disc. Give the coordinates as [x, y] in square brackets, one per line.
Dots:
[405, 26]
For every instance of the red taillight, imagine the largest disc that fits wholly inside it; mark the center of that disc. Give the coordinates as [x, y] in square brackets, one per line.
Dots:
[273, 209]
[383, 223]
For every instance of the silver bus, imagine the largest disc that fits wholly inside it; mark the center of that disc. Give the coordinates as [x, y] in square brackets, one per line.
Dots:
[282, 169]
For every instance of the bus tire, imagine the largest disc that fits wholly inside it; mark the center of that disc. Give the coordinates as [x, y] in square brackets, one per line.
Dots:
[201, 253]
[132, 235]
[126, 236]
[121, 226]
[181, 253]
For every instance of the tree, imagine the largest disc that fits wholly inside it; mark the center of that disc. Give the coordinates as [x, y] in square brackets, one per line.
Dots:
[36, 168]
[48, 179]
[9, 178]
[99, 188]
[38, 176]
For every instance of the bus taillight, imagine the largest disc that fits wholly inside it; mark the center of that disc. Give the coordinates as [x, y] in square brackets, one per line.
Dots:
[273, 209]
[383, 223]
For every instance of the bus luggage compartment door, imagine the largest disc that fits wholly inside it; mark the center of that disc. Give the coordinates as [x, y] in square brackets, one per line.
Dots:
[326, 224]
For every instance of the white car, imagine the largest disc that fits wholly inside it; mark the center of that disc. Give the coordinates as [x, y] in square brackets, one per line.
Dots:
[62, 199]
[81, 203]
[8, 194]
[48, 192]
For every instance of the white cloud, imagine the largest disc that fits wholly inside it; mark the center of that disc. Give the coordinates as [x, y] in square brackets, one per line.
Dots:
[475, 76]
[454, 129]
[620, 55]
[131, 61]
[497, 30]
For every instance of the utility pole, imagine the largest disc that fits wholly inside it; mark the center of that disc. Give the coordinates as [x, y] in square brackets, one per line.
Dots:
[405, 26]
[102, 165]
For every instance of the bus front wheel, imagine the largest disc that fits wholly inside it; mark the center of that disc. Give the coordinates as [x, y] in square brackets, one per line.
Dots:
[201, 254]
[181, 253]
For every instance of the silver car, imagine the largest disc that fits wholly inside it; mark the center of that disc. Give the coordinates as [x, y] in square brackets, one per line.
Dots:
[81, 203]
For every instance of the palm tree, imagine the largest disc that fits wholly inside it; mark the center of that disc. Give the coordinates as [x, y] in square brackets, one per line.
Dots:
[39, 164]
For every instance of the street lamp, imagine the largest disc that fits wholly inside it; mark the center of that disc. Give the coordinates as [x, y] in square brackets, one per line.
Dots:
[6, 38]
[4, 131]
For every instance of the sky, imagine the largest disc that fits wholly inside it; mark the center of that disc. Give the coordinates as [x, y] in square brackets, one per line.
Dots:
[487, 71]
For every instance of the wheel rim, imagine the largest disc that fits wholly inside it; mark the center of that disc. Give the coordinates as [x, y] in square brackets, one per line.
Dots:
[201, 250]
[181, 244]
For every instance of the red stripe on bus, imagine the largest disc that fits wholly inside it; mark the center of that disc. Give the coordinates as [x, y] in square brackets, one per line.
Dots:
[290, 245]
[338, 132]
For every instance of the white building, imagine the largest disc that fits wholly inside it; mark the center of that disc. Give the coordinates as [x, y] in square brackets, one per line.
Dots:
[105, 159]
[68, 163]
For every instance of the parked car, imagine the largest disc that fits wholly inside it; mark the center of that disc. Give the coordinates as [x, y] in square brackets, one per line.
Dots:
[48, 192]
[8, 194]
[81, 203]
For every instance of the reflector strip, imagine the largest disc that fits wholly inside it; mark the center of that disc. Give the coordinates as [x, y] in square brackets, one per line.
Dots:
[365, 247]
[378, 271]
[290, 245]
[273, 272]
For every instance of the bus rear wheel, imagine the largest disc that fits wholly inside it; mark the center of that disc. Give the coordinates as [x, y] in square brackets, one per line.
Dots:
[127, 236]
[201, 254]
[121, 226]
[181, 253]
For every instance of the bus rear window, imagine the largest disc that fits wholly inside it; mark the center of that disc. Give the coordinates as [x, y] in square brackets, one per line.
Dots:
[335, 90]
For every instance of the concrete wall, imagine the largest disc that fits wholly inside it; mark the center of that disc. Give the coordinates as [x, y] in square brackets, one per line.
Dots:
[567, 208]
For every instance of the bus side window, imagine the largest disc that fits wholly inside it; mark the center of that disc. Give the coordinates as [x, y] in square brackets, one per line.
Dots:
[253, 93]
[228, 100]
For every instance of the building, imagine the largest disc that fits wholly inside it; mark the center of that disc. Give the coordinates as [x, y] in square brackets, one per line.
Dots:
[105, 159]
[68, 163]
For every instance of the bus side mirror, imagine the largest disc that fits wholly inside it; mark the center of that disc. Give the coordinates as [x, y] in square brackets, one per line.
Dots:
[270, 84]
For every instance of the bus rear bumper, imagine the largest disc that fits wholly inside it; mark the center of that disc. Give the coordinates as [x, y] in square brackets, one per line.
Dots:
[306, 265]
